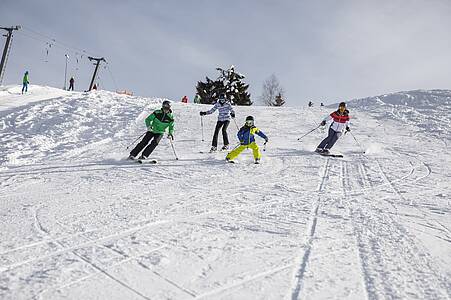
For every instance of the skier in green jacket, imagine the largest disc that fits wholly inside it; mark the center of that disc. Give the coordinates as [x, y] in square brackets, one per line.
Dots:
[25, 82]
[156, 123]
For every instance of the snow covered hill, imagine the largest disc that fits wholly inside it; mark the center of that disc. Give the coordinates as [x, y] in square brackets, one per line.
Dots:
[428, 111]
[80, 222]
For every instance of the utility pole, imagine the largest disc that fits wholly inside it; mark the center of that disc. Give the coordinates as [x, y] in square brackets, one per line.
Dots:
[8, 36]
[97, 60]
[65, 71]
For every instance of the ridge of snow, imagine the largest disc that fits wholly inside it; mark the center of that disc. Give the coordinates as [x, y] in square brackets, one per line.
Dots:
[427, 111]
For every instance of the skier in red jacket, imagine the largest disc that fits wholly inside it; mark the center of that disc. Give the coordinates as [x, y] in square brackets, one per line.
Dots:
[340, 121]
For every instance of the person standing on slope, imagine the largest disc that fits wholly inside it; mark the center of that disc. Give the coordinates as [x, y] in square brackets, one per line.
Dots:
[71, 84]
[340, 122]
[225, 112]
[247, 140]
[25, 82]
[156, 124]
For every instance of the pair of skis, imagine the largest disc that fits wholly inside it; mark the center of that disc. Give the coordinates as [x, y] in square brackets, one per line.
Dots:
[232, 162]
[143, 161]
[330, 154]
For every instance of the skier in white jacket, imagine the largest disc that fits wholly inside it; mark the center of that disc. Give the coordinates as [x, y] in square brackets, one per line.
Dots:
[225, 112]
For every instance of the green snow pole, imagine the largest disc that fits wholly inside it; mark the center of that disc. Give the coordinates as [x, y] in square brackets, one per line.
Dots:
[173, 149]
[136, 140]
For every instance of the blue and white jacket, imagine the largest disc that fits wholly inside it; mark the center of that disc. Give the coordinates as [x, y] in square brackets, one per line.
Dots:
[246, 135]
[224, 111]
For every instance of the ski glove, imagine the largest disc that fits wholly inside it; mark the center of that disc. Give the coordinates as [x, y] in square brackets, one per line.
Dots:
[202, 113]
[266, 140]
[232, 115]
[348, 129]
[170, 136]
[323, 123]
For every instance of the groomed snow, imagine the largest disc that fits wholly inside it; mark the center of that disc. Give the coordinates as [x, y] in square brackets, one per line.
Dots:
[79, 222]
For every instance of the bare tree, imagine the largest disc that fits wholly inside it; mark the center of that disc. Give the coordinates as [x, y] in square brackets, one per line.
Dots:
[272, 94]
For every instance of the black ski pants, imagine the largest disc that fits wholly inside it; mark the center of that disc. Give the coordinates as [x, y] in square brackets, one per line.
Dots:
[155, 137]
[224, 125]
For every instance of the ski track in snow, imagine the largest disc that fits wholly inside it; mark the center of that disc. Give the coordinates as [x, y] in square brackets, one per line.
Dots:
[80, 222]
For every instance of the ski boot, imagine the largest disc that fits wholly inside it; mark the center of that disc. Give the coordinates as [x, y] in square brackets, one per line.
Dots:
[131, 157]
[229, 160]
[319, 150]
[225, 147]
[257, 161]
[213, 149]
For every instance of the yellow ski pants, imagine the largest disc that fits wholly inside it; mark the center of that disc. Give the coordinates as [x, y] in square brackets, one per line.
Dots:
[234, 153]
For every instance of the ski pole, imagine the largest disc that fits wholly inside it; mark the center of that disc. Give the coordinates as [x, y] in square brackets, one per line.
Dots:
[236, 124]
[173, 149]
[202, 126]
[309, 132]
[361, 148]
[264, 146]
[236, 146]
[136, 140]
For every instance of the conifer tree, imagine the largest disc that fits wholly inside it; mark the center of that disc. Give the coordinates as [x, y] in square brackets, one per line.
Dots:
[228, 82]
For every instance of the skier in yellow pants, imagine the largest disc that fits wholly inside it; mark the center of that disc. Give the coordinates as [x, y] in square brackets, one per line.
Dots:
[247, 141]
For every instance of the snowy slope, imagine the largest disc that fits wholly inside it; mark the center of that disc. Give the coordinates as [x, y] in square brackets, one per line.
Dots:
[79, 222]
[12, 96]
[429, 111]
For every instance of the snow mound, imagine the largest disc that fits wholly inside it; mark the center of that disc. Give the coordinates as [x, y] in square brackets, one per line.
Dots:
[51, 122]
[426, 111]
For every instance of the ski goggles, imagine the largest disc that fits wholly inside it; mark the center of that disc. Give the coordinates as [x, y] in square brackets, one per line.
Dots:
[166, 107]
[250, 122]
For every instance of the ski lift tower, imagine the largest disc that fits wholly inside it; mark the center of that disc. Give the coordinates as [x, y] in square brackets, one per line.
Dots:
[97, 60]
[8, 36]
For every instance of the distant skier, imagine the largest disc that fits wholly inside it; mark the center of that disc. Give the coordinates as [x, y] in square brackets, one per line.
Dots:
[310, 104]
[322, 104]
[340, 122]
[247, 140]
[156, 123]
[197, 99]
[25, 82]
[185, 99]
[71, 84]
[225, 112]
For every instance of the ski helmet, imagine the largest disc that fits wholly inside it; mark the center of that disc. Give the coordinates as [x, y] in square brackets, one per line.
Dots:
[342, 104]
[250, 121]
[166, 104]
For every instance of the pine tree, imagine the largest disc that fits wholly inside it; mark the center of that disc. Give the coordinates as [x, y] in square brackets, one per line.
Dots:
[228, 82]
[209, 90]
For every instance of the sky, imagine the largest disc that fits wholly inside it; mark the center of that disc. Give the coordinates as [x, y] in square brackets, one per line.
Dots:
[321, 51]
